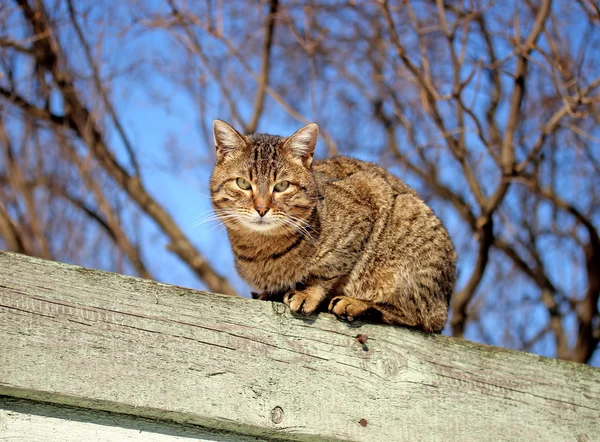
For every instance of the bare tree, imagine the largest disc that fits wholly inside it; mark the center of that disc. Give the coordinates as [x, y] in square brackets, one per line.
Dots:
[57, 75]
[490, 109]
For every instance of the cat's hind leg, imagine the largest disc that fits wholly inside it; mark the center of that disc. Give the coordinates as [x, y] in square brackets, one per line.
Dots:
[406, 271]
[350, 309]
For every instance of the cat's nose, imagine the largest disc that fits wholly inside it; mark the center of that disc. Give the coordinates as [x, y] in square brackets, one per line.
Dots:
[262, 210]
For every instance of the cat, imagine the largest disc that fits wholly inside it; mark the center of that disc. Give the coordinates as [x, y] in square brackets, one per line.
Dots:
[337, 233]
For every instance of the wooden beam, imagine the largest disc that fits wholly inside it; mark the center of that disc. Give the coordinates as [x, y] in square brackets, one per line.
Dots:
[28, 421]
[102, 341]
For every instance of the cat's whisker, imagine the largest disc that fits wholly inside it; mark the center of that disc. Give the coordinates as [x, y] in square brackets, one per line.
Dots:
[218, 216]
[208, 219]
[210, 197]
[301, 222]
[237, 222]
[298, 227]
[221, 225]
[205, 219]
[234, 217]
[211, 210]
[204, 215]
[218, 232]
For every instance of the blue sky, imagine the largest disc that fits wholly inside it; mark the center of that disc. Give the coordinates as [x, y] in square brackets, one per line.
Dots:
[163, 119]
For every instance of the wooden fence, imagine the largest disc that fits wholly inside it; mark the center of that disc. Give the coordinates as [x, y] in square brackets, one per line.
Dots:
[90, 355]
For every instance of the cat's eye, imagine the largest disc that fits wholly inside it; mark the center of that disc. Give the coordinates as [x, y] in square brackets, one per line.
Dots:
[243, 183]
[281, 186]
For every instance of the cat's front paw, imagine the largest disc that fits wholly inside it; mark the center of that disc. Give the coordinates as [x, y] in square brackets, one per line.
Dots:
[303, 302]
[348, 308]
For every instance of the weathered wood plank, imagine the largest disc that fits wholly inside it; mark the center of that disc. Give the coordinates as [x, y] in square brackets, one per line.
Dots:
[108, 342]
[27, 421]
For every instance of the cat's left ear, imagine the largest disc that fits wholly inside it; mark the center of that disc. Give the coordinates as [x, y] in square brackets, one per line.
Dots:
[301, 145]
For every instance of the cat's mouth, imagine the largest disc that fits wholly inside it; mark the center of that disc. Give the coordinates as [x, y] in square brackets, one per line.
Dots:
[260, 224]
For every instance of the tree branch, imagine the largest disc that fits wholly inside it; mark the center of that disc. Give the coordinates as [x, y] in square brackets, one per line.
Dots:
[49, 56]
[100, 88]
[507, 150]
[587, 311]
[265, 63]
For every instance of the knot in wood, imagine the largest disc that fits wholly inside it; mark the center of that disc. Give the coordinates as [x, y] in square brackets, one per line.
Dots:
[277, 415]
[279, 308]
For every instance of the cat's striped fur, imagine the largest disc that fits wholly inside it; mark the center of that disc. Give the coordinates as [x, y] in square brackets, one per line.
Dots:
[345, 235]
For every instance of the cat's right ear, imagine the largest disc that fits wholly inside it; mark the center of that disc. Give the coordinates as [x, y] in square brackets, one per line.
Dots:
[227, 139]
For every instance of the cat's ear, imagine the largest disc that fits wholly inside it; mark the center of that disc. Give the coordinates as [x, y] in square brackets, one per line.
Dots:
[301, 145]
[227, 139]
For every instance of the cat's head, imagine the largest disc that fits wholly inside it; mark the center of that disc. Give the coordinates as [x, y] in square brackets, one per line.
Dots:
[264, 183]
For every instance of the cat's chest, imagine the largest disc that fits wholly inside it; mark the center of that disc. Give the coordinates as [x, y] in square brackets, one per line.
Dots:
[273, 274]
[275, 267]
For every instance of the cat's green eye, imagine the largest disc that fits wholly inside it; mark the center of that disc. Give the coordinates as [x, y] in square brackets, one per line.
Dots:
[243, 184]
[281, 186]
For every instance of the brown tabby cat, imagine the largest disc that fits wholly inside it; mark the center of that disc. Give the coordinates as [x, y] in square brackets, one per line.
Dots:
[339, 232]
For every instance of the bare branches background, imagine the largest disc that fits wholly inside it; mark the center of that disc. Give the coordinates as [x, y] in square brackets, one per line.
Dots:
[490, 109]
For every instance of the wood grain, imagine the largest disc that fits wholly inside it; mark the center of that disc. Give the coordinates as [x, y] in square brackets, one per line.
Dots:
[104, 341]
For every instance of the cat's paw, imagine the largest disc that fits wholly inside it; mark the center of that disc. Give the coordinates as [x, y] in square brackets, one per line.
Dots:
[348, 308]
[303, 302]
